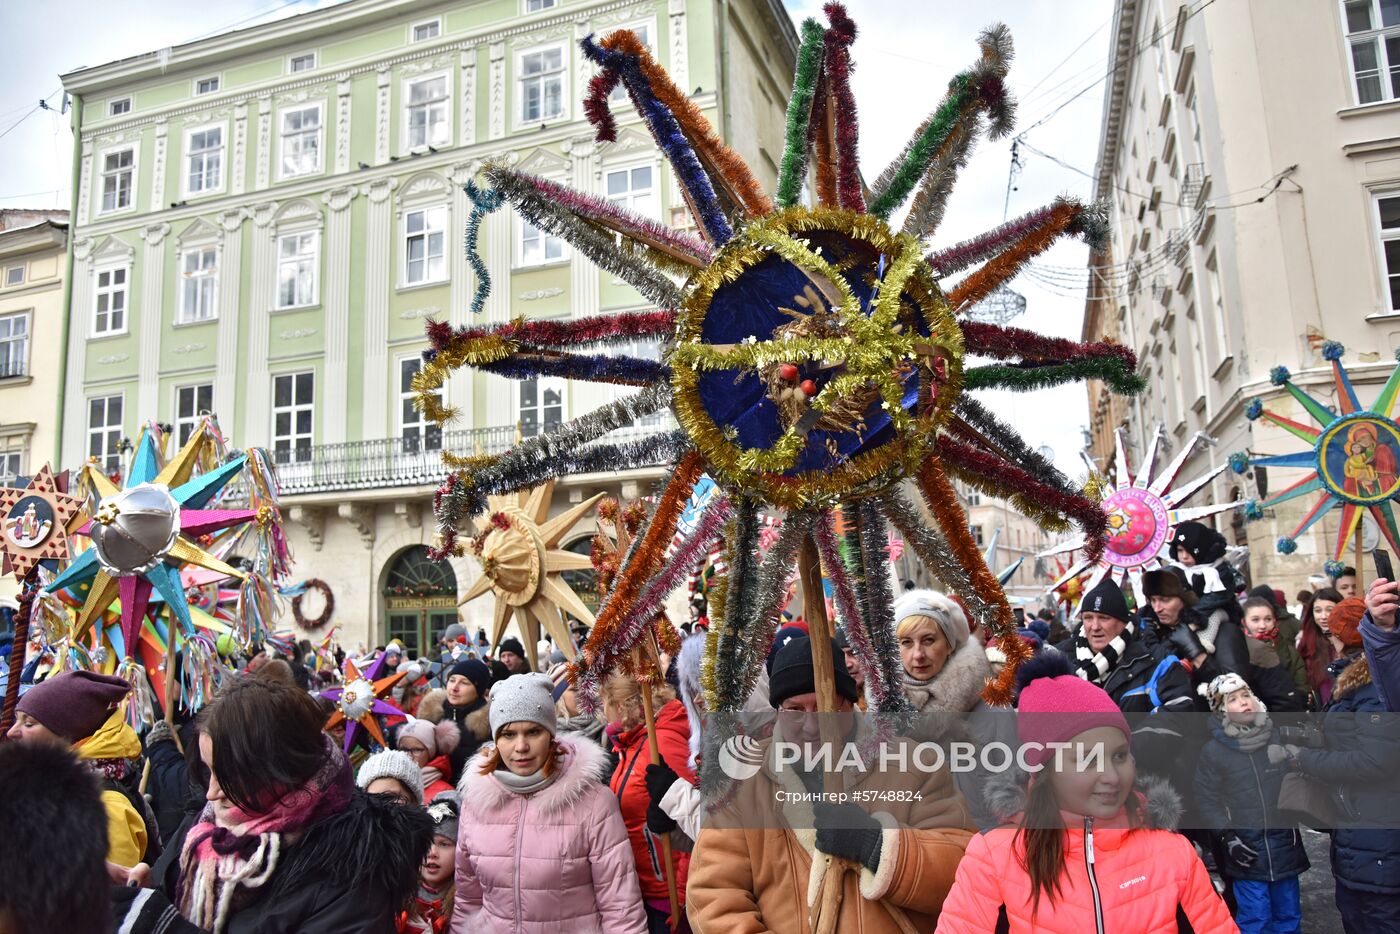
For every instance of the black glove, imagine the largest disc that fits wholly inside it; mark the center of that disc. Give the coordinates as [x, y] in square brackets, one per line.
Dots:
[658, 821]
[660, 778]
[1184, 642]
[1240, 853]
[847, 832]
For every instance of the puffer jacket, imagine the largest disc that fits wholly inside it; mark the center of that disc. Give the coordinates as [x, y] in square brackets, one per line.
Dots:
[440, 770]
[551, 862]
[1238, 791]
[1359, 763]
[473, 720]
[130, 835]
[1115, 878]
[629, 784]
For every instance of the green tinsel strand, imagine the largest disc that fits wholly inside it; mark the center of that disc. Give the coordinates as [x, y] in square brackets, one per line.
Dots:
[804, 84]
[1024, 379]
[923, 150]
[851, 552]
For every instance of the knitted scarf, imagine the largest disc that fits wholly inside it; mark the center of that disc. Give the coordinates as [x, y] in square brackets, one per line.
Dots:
[225, 858]
[1252, 735]
[524, 784]
[1094, 666]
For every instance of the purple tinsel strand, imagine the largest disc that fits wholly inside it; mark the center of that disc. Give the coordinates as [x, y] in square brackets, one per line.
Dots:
[961, 255]
[639, 616]
[588, 207]
[667, 133]
[591, 367]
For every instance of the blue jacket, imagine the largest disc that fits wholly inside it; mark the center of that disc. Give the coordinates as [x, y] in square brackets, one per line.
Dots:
[1361, 763]
[1238, 791]
[1383, 655]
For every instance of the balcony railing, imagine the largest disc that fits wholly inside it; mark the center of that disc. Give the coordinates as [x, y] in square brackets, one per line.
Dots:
[401, 462]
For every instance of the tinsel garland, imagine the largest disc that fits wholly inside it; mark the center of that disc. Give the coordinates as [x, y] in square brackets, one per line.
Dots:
[1007, 442]
[665, 130]
[1066, 216]
[629, 223]
[530, 362]
[737, 648]
[822, 140]
[979, 89]
[1111, 369]
[483, 203]
[596, 107]
[1004, 343]
[958, 257]
[1041, 501]
[879, 616]
[793, 170]
[926, 211]
[611, 647]
[595, 329]
[838, 41]
[29, 591]
[627, 259]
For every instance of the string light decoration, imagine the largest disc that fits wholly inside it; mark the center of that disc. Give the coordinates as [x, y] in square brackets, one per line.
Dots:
[814, 358]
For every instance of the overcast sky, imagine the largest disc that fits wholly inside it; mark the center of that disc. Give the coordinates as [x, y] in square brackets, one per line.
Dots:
[904, 55]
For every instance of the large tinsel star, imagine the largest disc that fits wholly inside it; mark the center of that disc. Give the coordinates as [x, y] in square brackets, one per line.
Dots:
[360, 699]
[814, 358]
[146, 531]
[35, 520]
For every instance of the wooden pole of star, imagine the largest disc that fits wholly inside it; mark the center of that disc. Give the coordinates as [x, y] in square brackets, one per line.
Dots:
[29, 589]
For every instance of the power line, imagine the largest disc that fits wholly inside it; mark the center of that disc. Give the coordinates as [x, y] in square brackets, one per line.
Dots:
[42, 105]
[1027, 96]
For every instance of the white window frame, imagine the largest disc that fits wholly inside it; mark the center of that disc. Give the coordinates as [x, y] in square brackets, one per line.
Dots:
[23, 274]
[223, 161]
[192, 422]
[1378, 35]
[428, 435]
[320, 166]
[102, 175]
[8, 476]
[112, 106]
[521, 121]
[114, 453]
[445, 103]
[315, 298]
[628, 167]
[297, 56]
[183, 313]
[28, 318]
[522, 227]
[218, 80]
[619, 93]
[292, 410]
[432, 21]
[541, 384]
[548, 5]
[98, 291]
[404, 235]
[1381, 238]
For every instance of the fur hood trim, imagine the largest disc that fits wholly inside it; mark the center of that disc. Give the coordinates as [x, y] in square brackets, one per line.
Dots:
[375, 843]
[1354, 677]
[1005, 794]
[958, 687]
[580, 766]
[431, 707]
[434, 707]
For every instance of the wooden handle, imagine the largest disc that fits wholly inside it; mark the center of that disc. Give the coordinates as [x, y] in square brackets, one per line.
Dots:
[649, 717]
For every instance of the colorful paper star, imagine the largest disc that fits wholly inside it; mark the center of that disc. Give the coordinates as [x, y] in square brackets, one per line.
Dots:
[36, 521]
[362, 696]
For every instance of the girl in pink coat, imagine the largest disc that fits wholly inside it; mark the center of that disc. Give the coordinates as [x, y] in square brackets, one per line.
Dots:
[1089, 851]
[541, 846]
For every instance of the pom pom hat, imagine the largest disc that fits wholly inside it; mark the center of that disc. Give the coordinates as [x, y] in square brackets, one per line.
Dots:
[1055, 706]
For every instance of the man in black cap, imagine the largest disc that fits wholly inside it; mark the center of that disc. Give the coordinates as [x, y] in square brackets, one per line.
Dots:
[512, 655]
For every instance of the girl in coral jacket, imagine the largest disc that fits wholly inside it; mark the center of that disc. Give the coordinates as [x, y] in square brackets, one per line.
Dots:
[1090, 849]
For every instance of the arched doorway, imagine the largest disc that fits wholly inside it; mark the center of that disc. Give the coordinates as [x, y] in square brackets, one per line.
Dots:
[420, 600]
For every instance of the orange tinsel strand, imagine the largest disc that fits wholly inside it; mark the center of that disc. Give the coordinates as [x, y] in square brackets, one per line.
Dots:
[725, 167]
[822, 131]
[1005, 265]
[1000, 691]
[646, 561]
[942, 501]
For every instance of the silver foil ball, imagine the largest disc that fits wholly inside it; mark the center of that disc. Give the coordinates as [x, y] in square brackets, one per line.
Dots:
[143, 523]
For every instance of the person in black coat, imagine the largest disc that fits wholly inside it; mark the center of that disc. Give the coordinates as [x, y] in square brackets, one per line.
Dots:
[1360, 764]
[1172, 623]
[1237, 790]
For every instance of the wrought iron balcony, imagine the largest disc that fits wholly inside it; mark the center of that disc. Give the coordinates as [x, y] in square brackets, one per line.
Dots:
[402, 462]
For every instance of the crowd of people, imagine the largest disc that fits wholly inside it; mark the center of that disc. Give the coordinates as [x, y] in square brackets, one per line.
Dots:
[498, 803]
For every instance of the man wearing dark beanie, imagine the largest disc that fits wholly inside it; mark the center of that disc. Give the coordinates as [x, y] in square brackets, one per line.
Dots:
[902, 851]
[82, 710]
[512, 654]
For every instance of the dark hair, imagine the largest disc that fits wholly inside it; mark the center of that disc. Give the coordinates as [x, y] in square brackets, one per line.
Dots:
[276, 670]
[1346, 572]
[1260, 603]
[266, 738]
[1313, 644]
[54, 862]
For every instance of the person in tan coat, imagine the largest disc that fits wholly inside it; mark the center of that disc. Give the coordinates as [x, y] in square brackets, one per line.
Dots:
[760, 859]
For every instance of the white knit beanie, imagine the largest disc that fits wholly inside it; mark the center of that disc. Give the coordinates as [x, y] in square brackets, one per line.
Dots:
[524, 697]
[390, 763]
[937, 607]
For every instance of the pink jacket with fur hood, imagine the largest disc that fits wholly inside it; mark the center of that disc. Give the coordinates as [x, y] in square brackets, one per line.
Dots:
[551, 862]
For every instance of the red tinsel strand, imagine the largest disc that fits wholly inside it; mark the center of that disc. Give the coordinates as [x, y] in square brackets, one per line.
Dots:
[959, 256]
[1084, 511]
[595, 104]
[823, 160]
[596, 329]
[838, 68]
[1005, 343]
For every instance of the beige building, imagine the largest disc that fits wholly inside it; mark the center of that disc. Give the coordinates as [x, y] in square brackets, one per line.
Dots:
[33, 245]
[1251, 153]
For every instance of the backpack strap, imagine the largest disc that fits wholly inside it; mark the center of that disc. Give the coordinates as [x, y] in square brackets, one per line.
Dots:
[1150, 688]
